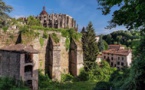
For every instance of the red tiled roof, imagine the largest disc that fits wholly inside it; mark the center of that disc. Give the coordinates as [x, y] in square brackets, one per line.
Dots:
[113, 46]
[117, 52]
[19, 48]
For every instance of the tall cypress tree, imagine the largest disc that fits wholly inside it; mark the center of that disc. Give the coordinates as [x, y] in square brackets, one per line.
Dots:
[90, 48]
[101, 45]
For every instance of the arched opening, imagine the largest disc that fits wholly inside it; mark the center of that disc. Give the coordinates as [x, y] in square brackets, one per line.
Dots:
[28, 71]
[28, 58]
[73, 58]
[50, 23]
[49, 58]
[56, 24]
[45, 23]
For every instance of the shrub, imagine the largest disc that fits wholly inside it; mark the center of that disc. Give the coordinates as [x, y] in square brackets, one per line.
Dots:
[66, 77]
[44, 81]
[102, 86]
[41, 40]
[5, 29]
[11, 84]
[55, 38]
[84, 76]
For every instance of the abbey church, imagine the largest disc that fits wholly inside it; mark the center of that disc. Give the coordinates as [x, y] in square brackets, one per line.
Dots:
[56, 20]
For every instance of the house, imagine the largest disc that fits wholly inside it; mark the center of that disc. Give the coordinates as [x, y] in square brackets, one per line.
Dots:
[20, 62]
[99, 58]
[117, 56]
[97, 39]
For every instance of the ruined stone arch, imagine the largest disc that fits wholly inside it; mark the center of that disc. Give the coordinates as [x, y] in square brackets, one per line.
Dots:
[49, 57]
[73, 58]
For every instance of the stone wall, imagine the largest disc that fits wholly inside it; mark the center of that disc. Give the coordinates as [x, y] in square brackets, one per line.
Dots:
[10, 64]
[53, 57]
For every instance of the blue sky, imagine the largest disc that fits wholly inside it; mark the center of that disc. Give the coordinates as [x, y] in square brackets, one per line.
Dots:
[83, 11]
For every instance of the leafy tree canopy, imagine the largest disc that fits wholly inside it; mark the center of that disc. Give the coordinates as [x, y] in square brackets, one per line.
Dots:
[127, 38]
[4, 9]
[130, 13]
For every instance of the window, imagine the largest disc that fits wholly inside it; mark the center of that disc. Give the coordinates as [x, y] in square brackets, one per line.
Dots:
[104, 57]
[122, 58]
[28, 58]
[122, 64]
[118, 63]
[118, 58]
[44, 21]
[111, 58]
[118, 68]
[111, 64]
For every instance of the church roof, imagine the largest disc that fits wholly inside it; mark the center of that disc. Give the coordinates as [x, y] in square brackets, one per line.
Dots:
[43, 11]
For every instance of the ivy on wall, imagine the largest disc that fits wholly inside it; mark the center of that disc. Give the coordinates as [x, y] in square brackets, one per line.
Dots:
[30, 31]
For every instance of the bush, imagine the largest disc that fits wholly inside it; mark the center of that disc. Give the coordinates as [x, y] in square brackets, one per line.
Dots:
[102, 86]
[5, 29]
[11, 84]
[44, 81]
[41, 40]
[66, 77]
[84, 76]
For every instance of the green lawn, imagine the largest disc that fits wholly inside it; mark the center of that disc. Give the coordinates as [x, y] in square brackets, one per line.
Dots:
[86, 85]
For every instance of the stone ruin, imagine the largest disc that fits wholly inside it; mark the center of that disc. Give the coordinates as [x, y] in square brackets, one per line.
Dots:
[55, 20]
[53, 57]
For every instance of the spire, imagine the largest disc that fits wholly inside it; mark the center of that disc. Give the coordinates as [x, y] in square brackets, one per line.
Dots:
[43, 11]
[43, 8]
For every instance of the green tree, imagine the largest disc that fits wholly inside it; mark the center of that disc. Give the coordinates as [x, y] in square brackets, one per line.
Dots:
[32, 21]
[101, 45]
[131, 14]
[4, 9]
[105, 44]
[90, 47]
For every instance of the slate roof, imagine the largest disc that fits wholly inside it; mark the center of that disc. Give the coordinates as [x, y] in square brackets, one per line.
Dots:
[19, 48]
